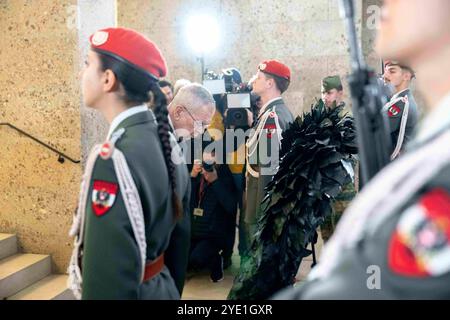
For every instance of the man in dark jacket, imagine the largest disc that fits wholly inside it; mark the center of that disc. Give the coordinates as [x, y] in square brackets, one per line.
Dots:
[213, 206]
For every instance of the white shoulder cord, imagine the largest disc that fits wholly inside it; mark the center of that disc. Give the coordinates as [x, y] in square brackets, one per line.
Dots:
[133, 204]
[133, 207]
[260, 126]
[251, 142]
[401, 135]
[77, 230]
[398, 181]
[256, 137]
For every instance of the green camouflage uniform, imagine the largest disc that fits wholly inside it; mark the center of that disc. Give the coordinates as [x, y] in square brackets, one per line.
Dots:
[342, 201]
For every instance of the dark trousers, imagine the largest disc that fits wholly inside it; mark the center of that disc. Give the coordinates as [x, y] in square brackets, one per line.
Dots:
[205, 253]
[229, 240]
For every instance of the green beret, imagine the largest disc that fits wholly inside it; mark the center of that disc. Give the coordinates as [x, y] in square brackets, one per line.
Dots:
[332, 82]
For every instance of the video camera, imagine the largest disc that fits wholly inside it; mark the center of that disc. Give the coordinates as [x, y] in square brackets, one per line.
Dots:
[233, 98]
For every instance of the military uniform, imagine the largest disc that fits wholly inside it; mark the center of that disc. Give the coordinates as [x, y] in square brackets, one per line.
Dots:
[403, 116]
[125, 227]
[393, 242]
[348, 192]
[113, 241]
[274, 118]
[340, 203]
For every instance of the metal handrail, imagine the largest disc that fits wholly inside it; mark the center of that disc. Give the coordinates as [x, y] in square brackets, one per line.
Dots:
[61, 156]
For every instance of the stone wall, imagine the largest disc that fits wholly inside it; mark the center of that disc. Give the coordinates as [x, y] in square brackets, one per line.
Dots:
[306, 35]
[40, 93]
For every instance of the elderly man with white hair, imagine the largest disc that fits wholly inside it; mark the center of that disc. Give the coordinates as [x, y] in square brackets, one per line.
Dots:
[191, 110]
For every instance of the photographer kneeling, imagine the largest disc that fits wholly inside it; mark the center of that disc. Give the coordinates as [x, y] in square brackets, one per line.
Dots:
[213, 206]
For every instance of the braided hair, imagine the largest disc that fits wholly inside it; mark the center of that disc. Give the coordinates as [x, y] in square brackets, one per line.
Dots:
[138, 86]
[162, 117]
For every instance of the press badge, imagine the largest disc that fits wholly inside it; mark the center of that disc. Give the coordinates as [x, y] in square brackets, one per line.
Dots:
[198, 212]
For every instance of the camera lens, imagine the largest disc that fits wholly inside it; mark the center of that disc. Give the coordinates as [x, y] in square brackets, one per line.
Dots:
[209, 167]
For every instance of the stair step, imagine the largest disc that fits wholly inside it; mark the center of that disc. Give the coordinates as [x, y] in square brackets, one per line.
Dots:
[22, 270]
[53, 287]
[8, 245]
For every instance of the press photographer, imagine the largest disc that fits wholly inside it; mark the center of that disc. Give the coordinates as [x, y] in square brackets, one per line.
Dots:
[236, 109]
[213, 209]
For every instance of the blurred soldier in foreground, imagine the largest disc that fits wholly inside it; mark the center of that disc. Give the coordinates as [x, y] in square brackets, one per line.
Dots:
[393, 242]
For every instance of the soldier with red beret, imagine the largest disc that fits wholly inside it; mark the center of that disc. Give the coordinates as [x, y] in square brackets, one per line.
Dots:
[133, 206]
[269, 83]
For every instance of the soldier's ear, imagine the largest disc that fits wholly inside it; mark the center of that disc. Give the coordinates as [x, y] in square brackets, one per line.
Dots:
[407, 75]
[109, 81]
[270, 82]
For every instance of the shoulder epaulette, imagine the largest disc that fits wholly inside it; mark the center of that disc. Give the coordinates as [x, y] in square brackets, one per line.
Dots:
[108, 147]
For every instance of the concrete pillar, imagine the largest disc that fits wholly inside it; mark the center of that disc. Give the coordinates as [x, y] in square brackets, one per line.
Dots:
[92, 15]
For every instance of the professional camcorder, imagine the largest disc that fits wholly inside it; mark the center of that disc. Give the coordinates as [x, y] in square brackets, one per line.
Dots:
[233, 97]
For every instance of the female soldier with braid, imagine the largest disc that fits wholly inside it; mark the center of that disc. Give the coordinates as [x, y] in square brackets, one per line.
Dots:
[134, 199]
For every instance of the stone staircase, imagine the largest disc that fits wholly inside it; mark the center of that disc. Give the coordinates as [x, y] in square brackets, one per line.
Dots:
[26, 276]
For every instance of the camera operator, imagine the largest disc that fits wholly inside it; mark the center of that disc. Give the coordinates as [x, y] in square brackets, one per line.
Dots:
[270, 82]
[213, 207]
[222, 122]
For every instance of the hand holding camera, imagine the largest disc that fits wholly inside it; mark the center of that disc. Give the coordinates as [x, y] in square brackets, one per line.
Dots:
[210, 176]
[208, 170]
[197, 168]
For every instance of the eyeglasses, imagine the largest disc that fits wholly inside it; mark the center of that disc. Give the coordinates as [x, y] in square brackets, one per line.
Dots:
[203, 124]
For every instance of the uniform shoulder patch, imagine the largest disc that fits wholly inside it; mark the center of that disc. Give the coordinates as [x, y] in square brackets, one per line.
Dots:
[108, 147]
[104, 195]
[106, 150]
[394, 111]
[270, 127]
[420, 245]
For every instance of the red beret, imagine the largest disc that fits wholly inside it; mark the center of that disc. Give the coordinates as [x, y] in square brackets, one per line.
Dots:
[275, 68]
[130, 47]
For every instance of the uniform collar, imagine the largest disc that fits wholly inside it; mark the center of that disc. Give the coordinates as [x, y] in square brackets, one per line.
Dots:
[125, 115]
[267, 104]
[435, 122]
[404, 92]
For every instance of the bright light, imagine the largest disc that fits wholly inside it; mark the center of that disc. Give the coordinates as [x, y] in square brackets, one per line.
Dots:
[203, 33]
